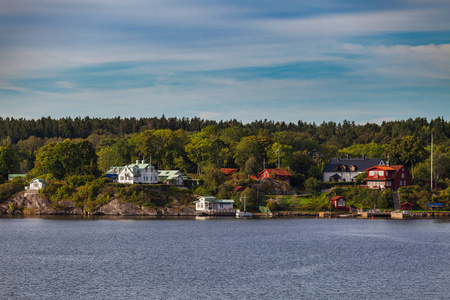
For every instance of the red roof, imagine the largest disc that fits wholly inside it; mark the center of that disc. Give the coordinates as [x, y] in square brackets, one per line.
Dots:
[388, 168]
[238, 188]
[278, 172]
[394, 168]
[334, 198]
[228, 171]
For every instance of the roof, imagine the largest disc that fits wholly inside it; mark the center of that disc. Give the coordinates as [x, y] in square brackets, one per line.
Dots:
[114, 170]
[169, 174]
[238, 188]
[392, 176]
[228, 171]
[435, 204]
[16, 175]
[407, 203]
[214, 200]
[381, 167]
[279, 172]
[39, 179]
[334, 198]
[359, 163]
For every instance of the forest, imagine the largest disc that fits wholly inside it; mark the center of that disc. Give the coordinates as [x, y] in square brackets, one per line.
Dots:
[60, 148]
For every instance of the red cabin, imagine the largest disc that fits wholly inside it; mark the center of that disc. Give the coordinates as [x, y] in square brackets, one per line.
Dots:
[279, 174]
[407, 206]
[339, 203]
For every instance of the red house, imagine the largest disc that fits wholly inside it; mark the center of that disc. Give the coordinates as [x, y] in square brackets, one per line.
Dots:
[407, 206]
[279, 174]
[382, 177]
[339, 203]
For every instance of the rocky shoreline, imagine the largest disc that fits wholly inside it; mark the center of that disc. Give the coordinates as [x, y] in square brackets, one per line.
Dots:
[36, 204]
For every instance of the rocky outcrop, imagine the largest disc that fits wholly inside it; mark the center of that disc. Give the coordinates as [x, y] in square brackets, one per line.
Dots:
[36, 204]
[116, 207]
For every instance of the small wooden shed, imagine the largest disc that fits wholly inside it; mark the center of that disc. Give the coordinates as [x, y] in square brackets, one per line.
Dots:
[407, 206]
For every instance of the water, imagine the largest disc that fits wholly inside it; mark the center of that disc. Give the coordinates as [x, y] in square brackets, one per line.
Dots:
[224, 259]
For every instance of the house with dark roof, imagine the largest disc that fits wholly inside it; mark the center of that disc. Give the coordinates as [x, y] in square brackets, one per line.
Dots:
[381, 177]
[278, 174]
[347, 169]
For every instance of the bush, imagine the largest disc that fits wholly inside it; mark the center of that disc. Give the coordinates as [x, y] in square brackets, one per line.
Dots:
[272, 205]
[8, 189]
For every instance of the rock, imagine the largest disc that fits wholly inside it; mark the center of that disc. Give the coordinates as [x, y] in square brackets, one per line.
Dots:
[67, 204]
[149, 211]
[116, 207]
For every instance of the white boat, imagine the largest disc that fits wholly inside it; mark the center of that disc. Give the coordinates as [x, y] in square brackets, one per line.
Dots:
[243, 214]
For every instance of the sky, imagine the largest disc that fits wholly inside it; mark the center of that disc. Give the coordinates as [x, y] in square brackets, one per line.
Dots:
[315, 61]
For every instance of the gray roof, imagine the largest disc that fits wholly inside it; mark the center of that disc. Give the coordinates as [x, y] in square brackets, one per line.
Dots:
[359, 163]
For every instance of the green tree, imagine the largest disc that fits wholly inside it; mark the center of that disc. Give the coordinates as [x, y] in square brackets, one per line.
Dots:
[251, 166]
[246, 148]
[212, 178]
[408, 151]
[66, 158]
[8, 161]
[313, 186]
[285, 153]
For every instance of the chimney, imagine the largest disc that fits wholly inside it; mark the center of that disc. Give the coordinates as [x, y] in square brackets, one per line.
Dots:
[364, 156]
[348, 156]
[137, 161]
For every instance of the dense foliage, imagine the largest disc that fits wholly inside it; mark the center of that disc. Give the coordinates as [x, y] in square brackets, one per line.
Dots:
[78, 150]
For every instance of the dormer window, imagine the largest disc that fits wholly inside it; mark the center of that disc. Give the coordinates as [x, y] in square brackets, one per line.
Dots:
[352, 168]
[344, 168]
[335, 168]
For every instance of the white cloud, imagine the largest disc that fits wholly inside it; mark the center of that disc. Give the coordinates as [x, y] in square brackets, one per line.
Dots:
[357, 24]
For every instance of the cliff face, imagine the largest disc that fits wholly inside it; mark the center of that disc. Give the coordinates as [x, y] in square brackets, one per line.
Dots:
[36, 204]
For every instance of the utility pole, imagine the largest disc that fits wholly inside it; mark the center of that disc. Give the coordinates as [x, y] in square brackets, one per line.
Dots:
[278, 151]
[431, 173]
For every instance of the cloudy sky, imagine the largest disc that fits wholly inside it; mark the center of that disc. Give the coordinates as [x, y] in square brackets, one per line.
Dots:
[322, 60]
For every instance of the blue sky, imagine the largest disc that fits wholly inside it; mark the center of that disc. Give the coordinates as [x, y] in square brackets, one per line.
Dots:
[364, 61]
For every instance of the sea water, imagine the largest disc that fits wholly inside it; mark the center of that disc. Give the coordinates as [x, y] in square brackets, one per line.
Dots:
[292, 258]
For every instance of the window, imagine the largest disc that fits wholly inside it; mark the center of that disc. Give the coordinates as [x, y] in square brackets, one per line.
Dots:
[380, 173]
[388, 183]
[386, 174]
[403, 175]
[371, 173]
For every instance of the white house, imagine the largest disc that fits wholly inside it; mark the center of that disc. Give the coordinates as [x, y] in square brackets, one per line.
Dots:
[140, 172]
[173, 177]
[347, 169]
[35, 185]
[211, 204]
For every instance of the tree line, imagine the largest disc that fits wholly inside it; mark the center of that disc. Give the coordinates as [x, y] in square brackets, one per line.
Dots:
[89, 146]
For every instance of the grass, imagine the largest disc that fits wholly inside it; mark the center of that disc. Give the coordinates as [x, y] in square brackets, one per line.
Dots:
[288, 202]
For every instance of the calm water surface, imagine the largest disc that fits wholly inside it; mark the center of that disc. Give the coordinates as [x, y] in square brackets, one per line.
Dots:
[224, 259]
